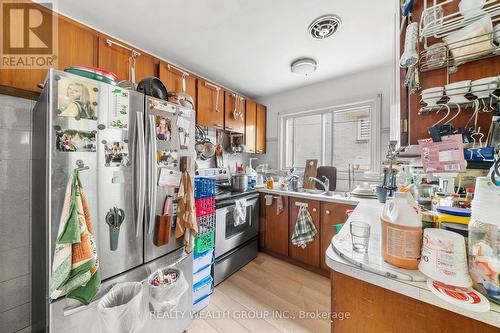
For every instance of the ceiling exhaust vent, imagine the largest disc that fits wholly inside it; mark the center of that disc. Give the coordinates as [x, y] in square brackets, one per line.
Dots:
[324, 26]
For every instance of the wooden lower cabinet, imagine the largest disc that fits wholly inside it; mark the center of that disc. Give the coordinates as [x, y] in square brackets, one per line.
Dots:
[276, 227]
[276, 230]
[331, 214]
[375, 309]
[309, 255]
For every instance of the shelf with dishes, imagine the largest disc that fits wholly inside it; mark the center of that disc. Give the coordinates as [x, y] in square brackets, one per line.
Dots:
[463, 94]
[467, 35]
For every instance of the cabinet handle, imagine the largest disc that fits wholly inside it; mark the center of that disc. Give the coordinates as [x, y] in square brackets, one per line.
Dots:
[218, 125]
[229, 127]
[314, 210]
[327, 212]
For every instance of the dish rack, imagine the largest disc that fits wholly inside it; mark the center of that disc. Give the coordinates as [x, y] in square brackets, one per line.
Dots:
[472, 100]
[441, 27]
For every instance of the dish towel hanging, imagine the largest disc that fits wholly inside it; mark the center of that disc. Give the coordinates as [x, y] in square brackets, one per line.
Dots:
[269, 199]
[240, 212]
[279, 205]
[75, 265]
[186, 214]
[305, 230]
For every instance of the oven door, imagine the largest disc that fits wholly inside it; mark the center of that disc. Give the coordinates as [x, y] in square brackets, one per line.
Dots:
[228, 236]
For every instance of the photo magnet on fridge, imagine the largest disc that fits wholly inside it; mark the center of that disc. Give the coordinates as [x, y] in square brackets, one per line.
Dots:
[116, 154]
[76, 99]
[163, 128]
[167, 158]
[75, 141]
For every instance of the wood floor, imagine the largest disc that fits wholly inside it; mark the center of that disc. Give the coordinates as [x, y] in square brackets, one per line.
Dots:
[271, 294]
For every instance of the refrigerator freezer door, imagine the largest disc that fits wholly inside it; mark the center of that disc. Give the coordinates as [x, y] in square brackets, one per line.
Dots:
[121, 180]
[82, 112]
[70, 316]
[165, 150]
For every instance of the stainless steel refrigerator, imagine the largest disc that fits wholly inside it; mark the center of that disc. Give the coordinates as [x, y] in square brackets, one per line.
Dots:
[123, 144]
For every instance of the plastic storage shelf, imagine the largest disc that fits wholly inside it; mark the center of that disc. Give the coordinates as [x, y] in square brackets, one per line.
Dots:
[203, 260]
[204, 242]
[204, 187]
[205, 206]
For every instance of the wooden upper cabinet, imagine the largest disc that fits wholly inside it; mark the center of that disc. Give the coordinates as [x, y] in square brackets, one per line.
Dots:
[261, 129]
[171, 77]
[210, 100]
[116, 59]
[250, 126]
[234, 112]
[331, 214]
[310, 254]
[276, 227]
[77, 46]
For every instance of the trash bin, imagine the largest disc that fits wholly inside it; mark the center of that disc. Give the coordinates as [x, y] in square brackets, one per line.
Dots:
[123, 308]
[165, 289]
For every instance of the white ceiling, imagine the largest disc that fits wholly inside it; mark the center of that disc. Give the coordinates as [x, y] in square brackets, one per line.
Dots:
[247, 45]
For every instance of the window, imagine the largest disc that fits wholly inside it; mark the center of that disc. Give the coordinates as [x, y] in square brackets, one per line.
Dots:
[337, 135]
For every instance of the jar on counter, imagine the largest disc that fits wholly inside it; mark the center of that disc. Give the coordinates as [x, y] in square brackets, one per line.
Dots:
[484, 239]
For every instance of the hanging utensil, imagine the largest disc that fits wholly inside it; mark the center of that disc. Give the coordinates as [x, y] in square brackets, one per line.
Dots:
[114, 218]
[185, 99]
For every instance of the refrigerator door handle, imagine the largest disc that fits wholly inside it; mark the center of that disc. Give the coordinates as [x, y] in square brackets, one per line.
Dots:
[142, 173]
[152, 174]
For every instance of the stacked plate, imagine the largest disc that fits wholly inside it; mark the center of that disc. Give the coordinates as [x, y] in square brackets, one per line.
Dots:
[364, 192]
[94, 73]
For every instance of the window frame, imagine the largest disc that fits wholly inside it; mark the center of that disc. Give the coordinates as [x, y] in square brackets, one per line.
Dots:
[375, 105]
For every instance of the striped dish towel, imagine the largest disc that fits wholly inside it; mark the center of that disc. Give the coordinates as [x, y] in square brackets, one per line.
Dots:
[305, 230]
[75, 264]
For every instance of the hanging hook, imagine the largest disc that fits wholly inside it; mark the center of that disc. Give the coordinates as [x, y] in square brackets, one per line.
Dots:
[446, 116]
[456, 115]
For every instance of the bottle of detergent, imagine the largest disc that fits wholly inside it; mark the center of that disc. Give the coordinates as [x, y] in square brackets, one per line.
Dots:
[402, 231]
[251, 173]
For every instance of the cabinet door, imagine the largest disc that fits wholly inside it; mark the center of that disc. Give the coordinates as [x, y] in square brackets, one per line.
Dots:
[210, 99]
[171, 77]
[77, 45]
[331, 214]
[261, 129]
[116, 59]
[310, 254]
[234, 113]
[276, 224]
[250, 126]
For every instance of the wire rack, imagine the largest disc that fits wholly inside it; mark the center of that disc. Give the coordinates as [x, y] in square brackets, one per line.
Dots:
[459, 52]
[474, 93]
[441, 27]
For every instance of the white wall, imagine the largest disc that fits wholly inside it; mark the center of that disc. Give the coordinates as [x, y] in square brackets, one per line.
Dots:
[359, 86]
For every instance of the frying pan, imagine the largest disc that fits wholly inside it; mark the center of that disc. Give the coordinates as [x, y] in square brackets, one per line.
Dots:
[152, 86]
[184, 98]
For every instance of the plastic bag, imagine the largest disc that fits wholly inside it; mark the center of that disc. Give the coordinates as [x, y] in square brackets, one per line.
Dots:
[123, 308]
[165, 288]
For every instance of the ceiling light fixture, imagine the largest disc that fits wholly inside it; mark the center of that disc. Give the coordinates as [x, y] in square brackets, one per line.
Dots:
[303, 66]
[324, 26]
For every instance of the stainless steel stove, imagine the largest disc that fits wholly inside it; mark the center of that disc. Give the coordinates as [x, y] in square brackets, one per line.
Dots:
[236, 244]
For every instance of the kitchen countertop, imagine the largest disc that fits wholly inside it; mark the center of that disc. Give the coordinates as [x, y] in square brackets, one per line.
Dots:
[379, 272]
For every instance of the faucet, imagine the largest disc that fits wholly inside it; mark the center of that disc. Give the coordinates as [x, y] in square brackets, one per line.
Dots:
[325, 184]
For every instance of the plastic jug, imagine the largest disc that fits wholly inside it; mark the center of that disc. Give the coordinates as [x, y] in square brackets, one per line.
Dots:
[402, 231]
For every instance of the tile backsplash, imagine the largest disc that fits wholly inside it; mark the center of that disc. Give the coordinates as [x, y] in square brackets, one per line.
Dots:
[15, 213]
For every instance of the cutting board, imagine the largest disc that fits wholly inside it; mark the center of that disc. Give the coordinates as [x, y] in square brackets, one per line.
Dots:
[311, 170]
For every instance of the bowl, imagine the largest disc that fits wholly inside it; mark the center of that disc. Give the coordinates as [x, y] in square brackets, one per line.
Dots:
[482, 88]
[457, 91]
[432, 95]
[470, 8]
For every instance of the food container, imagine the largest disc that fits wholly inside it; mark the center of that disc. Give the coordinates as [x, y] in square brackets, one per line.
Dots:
[484, 239]
[239, 182]
[444, 257]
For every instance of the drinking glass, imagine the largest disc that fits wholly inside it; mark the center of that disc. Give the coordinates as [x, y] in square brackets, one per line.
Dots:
[360, 234]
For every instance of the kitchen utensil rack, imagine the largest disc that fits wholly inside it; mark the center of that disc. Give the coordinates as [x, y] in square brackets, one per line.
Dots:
[428, 64]
[444, 101]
